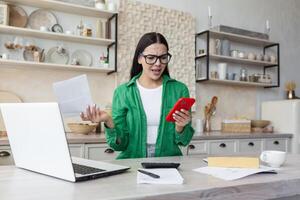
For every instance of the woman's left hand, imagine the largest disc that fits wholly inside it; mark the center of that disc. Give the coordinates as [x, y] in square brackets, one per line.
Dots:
[182, 118]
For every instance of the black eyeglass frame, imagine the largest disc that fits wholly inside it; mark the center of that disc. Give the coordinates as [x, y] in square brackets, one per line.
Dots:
[157, 57]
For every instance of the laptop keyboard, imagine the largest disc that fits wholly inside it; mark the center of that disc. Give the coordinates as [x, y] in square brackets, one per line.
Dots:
[82, 169]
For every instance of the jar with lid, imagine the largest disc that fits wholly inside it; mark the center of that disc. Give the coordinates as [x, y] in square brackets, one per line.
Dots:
[243, 75]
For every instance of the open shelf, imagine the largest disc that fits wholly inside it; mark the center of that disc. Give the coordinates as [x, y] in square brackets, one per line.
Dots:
[66, 7]
[240, 38]
[237, 60]
[241, 83]
[36, 65]
[54, 36]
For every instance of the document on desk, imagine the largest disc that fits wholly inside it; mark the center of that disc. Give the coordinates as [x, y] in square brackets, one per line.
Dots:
[73, 95]
[166, 176]
[230, 174]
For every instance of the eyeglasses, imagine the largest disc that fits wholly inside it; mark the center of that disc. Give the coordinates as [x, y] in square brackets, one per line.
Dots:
[151, 59]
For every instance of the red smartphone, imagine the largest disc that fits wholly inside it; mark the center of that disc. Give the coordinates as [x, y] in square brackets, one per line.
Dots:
[182, 103]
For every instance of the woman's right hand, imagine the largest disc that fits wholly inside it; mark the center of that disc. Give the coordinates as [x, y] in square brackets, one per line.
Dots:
[96, 115]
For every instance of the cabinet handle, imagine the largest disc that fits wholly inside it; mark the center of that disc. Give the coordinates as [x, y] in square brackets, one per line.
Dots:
[222, 145]
[191, 146]
[4, 154]
[276, 142]
[251, 144]
[109, 150]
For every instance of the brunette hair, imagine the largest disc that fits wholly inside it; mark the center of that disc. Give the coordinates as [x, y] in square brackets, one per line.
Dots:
[145, 41]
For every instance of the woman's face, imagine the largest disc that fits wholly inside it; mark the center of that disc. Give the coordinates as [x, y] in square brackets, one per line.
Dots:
[153, 71]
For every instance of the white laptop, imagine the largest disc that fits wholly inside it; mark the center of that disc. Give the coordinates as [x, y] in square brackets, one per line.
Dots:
[38, 143]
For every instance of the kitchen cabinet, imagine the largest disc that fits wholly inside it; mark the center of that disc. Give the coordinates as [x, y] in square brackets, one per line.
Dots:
[89, 151]
[237, 146]
[250, 145]
[77, 150]
[6, 157]
[92, 151]
[99, 152]
[206, 59]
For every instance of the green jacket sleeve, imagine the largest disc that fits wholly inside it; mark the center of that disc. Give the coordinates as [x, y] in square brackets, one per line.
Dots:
[117, 137]
[186, 135]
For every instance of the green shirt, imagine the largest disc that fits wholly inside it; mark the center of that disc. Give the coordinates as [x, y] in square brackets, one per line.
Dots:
[130, 121]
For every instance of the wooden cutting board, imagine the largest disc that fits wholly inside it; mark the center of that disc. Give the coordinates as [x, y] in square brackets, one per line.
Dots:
[7, 97]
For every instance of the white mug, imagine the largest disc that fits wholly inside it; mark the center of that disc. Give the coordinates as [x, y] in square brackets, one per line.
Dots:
[69, 32]
[111, 6]
[222, 70]
[5, 56]
[273, 158]
[44, 28]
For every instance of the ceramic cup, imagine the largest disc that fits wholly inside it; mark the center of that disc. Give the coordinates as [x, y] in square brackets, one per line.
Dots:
[234, 53]
[111, 6]
[69, 32]
[241, 55]
[251, 56]
[266, 58]
[272, 59]
[230, 76]
[259, 57]
[43, 28]
[4, 56]
[273, 158]
[214, 75]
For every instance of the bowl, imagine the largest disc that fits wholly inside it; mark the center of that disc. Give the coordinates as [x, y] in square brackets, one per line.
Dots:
[82, 128]
[260, 123]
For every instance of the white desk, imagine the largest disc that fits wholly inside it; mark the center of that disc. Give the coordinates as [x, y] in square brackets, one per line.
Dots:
[21, 184]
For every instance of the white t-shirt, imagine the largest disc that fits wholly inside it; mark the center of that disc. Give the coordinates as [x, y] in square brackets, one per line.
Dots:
[151, 99]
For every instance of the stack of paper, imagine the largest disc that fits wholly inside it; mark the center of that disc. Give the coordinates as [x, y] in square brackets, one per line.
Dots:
[167, 176]
[233, 173]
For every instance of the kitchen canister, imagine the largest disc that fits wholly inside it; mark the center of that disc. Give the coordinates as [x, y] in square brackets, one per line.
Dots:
[214, 46]
[225, 47]
[222, 70]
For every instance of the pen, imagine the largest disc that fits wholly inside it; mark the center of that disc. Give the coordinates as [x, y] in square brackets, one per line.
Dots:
[149, 173]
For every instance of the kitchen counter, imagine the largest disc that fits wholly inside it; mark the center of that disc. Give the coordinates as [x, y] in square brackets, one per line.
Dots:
[216, 135]
[18, 184]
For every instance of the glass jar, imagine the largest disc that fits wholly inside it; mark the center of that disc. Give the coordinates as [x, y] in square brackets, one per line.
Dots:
[243, 75]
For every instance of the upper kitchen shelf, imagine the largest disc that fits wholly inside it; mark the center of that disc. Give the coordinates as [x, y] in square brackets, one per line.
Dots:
[54, 36]
[66, 7]
[238, 38]
[237, 60]
[39, 65]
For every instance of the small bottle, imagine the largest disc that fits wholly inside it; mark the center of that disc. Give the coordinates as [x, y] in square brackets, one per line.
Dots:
[79, 29]
[87, 30]
[102, 60]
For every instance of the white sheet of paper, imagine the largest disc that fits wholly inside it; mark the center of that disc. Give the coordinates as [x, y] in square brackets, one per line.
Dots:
[167, 176]
[230, 174]
[73, 95]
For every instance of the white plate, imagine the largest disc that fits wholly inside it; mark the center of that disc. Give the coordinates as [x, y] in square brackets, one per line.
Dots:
[41, 17]
[83, 57]
[53, 56]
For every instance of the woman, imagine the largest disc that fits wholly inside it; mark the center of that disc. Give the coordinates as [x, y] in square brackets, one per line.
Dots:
[138, 127]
